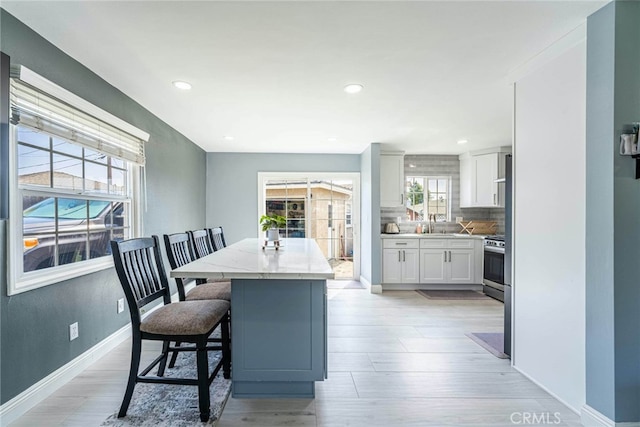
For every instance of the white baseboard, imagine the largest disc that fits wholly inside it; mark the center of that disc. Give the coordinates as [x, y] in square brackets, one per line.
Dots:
[374, 289]
[19, 405]
[592, 418]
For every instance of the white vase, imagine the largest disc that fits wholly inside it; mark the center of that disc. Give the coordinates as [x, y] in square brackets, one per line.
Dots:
[273, 234]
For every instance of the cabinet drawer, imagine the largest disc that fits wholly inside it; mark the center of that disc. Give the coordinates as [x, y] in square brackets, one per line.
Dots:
[461, 243]
[400, 243]
[433, 243]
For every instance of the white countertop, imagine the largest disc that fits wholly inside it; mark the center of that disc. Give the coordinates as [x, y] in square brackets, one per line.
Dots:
[432, 236]
[296, 259]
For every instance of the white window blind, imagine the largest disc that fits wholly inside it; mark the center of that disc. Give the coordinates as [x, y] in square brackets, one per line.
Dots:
[33, 107]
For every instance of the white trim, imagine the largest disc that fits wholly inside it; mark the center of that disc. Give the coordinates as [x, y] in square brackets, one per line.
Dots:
[592, 418]
[19, 405]
[430, 286]
[569, 40]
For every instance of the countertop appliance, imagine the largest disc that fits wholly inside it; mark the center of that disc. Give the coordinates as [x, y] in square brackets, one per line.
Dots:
[391, 228]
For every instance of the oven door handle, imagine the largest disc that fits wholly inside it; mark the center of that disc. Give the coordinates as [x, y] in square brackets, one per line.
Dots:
[494, 250]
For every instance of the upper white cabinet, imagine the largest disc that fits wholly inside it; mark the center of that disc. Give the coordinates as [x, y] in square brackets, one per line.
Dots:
[391, 179]
[482, 178]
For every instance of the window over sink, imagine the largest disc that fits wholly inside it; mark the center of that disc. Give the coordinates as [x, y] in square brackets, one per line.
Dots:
[428, 195]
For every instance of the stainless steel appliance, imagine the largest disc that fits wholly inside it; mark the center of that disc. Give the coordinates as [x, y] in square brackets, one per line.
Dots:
[391, 228]
[493, 280]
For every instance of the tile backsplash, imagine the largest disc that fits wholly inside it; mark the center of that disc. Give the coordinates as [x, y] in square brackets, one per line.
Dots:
[439, 165]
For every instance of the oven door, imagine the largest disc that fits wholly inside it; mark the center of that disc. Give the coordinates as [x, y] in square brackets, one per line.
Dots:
[494, 265]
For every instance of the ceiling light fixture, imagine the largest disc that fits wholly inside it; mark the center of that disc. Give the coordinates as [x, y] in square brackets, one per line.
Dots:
[228, 138]
[462, 141]
[412, 166]
[182, 85]
[353, 88]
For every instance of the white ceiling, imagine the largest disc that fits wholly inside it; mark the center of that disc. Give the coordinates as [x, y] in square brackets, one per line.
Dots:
[271, 73]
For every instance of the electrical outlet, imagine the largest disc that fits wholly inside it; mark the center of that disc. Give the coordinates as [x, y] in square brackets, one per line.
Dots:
[120, 305]
[73, 331]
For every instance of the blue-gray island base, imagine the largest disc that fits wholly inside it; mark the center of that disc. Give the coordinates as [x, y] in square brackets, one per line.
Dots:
[278, 315]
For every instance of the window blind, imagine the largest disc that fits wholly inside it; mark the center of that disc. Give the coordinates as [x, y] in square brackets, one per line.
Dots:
[32, 107]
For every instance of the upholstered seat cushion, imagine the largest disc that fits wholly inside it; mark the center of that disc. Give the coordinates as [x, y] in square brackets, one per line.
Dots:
[209, 291]
[185, 318]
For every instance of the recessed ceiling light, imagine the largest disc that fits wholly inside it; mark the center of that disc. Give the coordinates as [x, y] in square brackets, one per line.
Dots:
[412, 166]
[462, 141]
[182, 85]
[353, 88]
[332, 139]
[228, 137]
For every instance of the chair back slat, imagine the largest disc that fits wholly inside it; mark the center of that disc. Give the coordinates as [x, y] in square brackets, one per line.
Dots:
[141, 273]
[217, 238]
[179, 252]
[200, 242]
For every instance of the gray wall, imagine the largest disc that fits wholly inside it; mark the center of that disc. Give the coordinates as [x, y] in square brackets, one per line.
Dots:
[35, 324]
[232, 184]
[441, 165]
[613, 214]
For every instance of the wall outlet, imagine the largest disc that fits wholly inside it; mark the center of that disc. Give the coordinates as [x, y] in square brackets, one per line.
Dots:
[73, 331]
[120, 305]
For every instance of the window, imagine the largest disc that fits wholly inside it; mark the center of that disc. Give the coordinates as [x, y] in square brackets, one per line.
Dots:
[72, 189]
[428, 195]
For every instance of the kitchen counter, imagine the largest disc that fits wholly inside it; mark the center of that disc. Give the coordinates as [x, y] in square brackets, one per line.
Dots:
[296, 259]
[431, 236]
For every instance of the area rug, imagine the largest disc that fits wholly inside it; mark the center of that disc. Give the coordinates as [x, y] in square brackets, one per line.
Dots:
[174, 405]
[444, 294]
[493, 342]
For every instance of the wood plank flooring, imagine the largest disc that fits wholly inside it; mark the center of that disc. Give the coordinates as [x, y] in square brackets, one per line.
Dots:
[395, 359]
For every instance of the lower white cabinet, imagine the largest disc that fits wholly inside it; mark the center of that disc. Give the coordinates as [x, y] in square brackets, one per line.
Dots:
[447, 266]
[432, 260]
[400, 261]
[449, 260]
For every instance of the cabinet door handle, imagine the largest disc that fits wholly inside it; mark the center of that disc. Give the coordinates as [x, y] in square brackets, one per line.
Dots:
[449, 256]
[399, 256]
[402, 199]
[494, 199]
[401, 243]
[445, 256]
[404, 256]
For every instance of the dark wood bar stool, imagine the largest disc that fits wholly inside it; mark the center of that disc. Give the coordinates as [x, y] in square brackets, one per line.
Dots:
[139, 266]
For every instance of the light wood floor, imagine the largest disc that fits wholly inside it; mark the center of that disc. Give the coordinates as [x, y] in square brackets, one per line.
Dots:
[395, 359]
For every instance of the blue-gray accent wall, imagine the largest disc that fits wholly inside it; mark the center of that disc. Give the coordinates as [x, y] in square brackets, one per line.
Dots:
[371, 244]
[612, 214]
[232, 184]
[35, 324]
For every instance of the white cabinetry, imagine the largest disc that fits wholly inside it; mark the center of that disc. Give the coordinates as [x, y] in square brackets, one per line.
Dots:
[480, 176]
[448, 261]
[391, 180]
[400, 261]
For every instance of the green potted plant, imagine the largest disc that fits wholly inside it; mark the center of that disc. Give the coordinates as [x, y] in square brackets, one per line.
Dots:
[271, 224]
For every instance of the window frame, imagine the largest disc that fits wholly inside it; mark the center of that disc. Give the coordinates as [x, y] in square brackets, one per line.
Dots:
[426, 179]
[20, 281]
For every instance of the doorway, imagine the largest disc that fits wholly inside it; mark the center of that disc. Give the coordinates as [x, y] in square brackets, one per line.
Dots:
[323, 207]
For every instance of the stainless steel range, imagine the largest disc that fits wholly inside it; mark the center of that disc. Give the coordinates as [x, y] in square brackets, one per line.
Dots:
[494, 249]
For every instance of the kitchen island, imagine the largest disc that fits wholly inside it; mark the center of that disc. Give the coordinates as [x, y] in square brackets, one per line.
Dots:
[278, 314]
